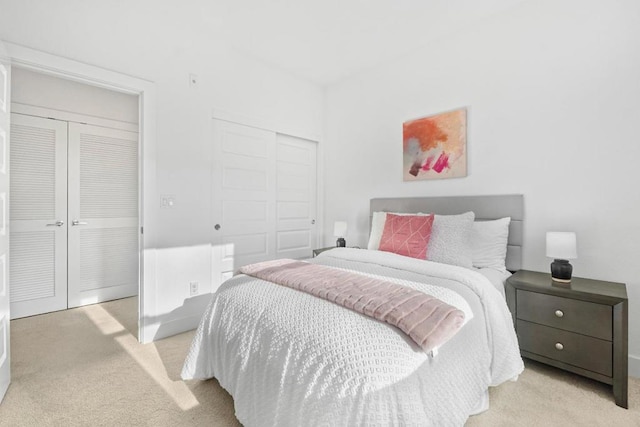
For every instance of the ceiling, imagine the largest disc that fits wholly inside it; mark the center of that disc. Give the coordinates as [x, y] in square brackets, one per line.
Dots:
[323, 41]
[329, 40]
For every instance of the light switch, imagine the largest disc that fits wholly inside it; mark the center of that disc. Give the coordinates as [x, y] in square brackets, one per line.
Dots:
[167, 201]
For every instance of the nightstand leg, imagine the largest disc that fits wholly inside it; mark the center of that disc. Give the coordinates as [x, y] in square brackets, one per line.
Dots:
[620, 354]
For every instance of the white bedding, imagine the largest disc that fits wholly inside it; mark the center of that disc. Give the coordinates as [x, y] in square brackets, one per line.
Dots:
[496, 277]
[290, 359]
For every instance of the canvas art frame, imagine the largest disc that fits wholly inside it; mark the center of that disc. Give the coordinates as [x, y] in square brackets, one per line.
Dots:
[435, 147]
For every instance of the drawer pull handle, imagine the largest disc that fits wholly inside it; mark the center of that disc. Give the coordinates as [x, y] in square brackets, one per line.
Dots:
[559, 346]
[559, 313]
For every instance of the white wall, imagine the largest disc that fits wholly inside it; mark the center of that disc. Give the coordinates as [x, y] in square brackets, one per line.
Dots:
[164, 42]
[553, 96]
[46, 91]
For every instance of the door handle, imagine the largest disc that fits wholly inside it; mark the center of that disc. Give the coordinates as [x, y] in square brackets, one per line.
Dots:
[56, 224]
[77, 222]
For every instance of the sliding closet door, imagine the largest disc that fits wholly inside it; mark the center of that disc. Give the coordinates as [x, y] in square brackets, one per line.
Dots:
[296, 197]
[243, 200]
[103, 214]
[264, 197]
[38, 263]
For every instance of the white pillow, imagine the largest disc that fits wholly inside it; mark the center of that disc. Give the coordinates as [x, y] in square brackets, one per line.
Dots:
[377, 227]
[450, 241]
[489, 243]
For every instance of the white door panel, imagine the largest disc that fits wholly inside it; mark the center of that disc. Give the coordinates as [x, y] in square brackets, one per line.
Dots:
[296, 197]
[103, 214]
[243, 197]
[38, 215]
[5, 356]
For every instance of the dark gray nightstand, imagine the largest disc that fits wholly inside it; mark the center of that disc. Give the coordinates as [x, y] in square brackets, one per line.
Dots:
[318, 251]
[581, 328]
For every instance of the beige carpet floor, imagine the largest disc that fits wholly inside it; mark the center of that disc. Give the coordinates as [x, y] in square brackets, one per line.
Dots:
[84, 367]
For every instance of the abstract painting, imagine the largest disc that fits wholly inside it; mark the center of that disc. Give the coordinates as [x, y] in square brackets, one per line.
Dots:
[435, 147]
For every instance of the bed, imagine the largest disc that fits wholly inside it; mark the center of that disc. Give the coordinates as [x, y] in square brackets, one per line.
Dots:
[289, 358]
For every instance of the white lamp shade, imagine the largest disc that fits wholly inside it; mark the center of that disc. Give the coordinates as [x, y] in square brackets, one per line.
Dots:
[561, 245]
[340, 228]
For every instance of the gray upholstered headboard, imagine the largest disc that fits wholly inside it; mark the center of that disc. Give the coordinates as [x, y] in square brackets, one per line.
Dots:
[485, 208]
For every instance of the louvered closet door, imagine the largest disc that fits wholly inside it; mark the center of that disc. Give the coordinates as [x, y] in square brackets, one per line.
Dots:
[103, 214]
[38, 263]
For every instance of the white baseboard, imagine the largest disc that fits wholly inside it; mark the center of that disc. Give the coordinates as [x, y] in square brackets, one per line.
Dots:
[164, 329]
[634, 366]
[181, 319]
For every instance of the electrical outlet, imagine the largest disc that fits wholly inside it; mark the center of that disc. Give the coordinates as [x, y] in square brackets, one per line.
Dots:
[193, 288]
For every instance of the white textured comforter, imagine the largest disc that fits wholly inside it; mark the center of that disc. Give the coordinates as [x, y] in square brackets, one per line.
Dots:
[291, 359]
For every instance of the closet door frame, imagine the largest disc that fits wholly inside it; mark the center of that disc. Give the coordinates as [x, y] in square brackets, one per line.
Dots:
[148, 213]
[68, 289]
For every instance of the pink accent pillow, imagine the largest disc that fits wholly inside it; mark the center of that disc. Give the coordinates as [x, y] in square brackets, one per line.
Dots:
[407, 235]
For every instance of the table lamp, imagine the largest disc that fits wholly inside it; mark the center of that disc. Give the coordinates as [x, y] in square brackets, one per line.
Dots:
[561, 246]
[339, 231]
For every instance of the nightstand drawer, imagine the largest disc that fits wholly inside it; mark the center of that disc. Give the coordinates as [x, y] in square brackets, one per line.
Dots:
[586, 318]
[589, 353]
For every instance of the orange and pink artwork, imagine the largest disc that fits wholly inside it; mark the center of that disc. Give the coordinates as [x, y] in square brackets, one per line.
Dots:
[435, 147]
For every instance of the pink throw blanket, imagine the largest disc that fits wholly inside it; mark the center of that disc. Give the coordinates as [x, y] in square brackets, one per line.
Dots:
[425, 319]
